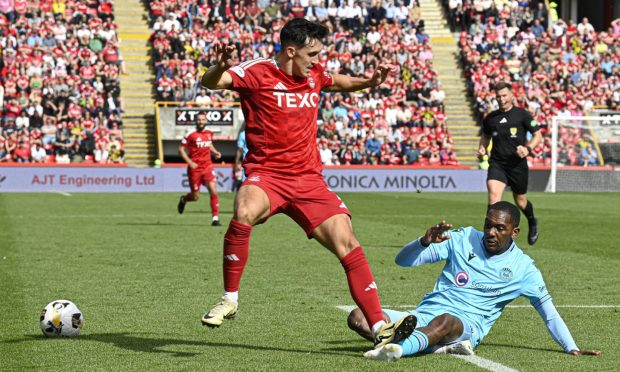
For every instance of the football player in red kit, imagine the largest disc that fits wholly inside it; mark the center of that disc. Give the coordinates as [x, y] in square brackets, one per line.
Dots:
[280, 99]
[199, 166]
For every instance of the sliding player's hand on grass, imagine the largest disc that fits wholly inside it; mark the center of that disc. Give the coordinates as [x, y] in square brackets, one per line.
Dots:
[585, 352]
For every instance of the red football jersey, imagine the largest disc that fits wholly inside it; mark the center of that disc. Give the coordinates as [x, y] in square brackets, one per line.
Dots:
[280, 115]
[199, 144]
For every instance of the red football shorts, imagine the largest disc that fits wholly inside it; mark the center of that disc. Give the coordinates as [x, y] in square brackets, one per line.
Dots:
[306, 199]
[200, 176]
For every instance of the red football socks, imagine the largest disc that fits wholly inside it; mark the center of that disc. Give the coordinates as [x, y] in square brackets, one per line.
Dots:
[236, 252]
[215, 205]
[362, 285]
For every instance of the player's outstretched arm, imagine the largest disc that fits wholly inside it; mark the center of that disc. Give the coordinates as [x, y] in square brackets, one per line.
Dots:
[216, 77]
[346, 83]
[559, 331]
[585, 352]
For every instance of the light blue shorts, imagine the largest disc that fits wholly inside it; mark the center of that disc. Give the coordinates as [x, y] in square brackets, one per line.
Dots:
[424, 318]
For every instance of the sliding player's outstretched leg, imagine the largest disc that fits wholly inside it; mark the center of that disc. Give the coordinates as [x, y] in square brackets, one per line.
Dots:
[444, 329]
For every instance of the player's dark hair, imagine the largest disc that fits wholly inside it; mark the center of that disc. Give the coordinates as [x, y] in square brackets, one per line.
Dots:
[300, 31]
[502, 85]
[510, 209]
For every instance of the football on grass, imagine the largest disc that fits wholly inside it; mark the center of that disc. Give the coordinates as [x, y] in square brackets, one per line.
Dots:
[61, 318]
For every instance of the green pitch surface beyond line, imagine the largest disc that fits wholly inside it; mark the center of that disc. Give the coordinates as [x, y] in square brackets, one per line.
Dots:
[143, 275]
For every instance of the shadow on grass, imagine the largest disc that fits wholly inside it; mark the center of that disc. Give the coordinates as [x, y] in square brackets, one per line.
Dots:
[159, 224]
[221, 212]
[138, 343]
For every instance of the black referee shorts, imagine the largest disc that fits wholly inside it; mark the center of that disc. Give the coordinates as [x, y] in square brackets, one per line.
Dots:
[515, 176]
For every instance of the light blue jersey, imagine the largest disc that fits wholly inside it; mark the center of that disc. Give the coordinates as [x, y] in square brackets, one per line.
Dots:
[474, 285]
[242, 144]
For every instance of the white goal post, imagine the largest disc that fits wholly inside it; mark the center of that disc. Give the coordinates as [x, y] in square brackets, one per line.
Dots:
[572, 139]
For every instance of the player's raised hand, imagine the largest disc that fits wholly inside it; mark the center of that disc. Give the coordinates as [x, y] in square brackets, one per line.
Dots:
[436, 234]
[225, 55]
[381, 74]
[585, 352]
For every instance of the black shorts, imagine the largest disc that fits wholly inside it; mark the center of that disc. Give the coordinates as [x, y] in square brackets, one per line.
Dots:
[515, 176]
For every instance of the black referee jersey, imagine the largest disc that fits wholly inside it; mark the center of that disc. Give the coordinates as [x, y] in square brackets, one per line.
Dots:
[508, 130]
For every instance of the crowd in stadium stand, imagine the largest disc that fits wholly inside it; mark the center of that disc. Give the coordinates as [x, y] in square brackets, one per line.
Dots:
[556, 68]
[400, 122]
[59, 86]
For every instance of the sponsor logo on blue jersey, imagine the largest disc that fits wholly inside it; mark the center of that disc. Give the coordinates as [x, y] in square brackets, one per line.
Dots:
[486, 288]
[461, 279]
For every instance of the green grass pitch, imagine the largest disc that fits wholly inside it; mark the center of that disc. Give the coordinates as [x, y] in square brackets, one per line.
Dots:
[143, 275]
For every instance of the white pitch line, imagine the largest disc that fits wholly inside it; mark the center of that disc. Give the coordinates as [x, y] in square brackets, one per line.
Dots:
[61, 193]
[569, 306]
[509, 307]
[478, 361]
[346, 308]
[484, 363]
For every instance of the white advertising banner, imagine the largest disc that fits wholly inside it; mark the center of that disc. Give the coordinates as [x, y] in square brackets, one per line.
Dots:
[174, 179]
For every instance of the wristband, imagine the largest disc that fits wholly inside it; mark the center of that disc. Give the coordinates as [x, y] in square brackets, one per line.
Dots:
[529, 150]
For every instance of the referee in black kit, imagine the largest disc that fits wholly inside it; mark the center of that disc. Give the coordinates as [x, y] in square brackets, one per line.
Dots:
[507, 164]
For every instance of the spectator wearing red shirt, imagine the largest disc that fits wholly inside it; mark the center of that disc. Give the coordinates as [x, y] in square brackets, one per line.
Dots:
[4, 154]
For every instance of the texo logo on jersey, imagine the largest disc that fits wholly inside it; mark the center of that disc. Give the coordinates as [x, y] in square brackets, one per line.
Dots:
[297, 100]
[200, 143]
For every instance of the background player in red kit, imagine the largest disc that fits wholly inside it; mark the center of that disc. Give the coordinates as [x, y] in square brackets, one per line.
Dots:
[279, 99]
[199, 166]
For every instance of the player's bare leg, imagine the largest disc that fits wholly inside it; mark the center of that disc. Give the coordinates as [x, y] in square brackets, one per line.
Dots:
[357, 322]
[215, 204]
[251, 206]
[496, 190]
[336, 234]
[192, 196]
[528, 210]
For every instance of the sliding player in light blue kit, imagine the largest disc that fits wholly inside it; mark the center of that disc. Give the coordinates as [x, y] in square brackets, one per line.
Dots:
[484, 272]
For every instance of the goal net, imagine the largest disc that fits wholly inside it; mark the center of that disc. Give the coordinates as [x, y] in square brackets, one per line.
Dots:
[584, 152]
